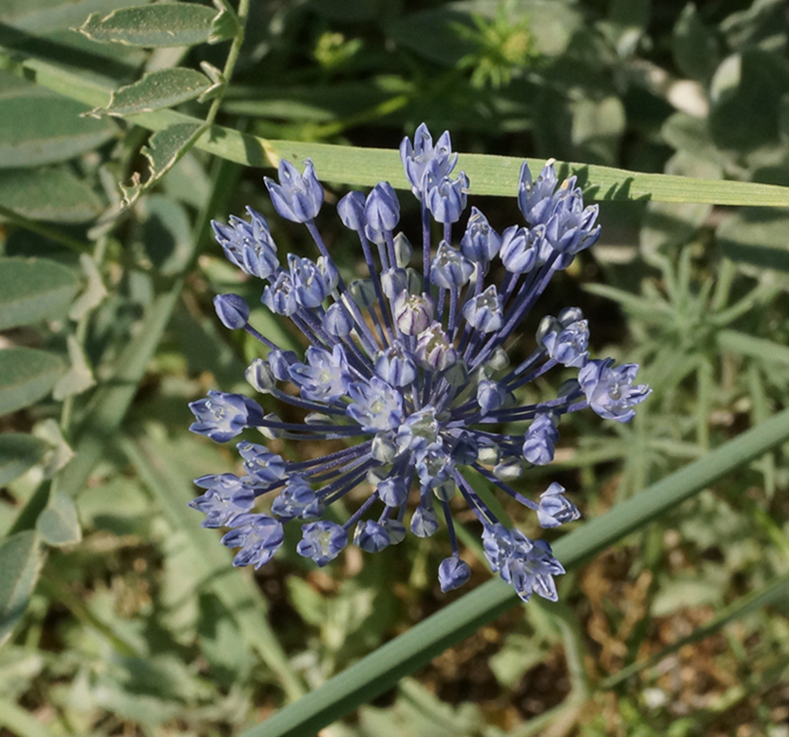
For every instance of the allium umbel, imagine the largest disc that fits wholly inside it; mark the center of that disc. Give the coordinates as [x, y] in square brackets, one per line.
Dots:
[409, 370]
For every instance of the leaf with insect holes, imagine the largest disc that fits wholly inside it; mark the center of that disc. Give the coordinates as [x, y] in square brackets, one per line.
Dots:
[156, 90]
[170, 24]
[163, 151]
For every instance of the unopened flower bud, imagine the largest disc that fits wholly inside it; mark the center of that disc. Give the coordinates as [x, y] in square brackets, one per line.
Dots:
[232, 310]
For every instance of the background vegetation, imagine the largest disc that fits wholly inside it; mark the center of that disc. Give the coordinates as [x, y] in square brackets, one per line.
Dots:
[121, 616]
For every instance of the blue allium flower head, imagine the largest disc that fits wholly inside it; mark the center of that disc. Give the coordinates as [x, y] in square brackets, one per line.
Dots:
[409, 372]
[297, 197]
[232, 310]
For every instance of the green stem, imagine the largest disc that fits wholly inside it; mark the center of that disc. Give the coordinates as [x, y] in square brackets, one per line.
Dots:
[80, 334]
[230, 63]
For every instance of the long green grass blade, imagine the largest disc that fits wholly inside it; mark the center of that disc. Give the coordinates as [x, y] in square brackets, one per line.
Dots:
[381, 670]
[489, 175]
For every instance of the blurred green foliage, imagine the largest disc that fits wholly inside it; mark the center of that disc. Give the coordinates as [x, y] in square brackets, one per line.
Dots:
[120, 615]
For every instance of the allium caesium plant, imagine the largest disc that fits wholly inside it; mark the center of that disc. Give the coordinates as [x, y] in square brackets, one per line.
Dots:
[409, 369]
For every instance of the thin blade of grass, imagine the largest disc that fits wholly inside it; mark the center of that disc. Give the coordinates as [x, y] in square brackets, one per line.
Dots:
[490, 175]
[775, 591]
[381, 670]
[237, 591]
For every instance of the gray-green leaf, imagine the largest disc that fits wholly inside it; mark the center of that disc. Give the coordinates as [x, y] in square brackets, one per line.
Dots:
[34, 289]
[746, 93]
[694, 45]
[44, 129]
[54, 193]
[26, 375]
[160, 89]
[18, 453]
[183, 24]
[58, 524]
[19, 565]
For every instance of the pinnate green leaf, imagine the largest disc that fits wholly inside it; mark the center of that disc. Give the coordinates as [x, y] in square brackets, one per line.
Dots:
[181, 24]
[749, 345]
[160, 89]
[758, 237]
[34, 289]
[58, 524]
[18, 453]
[54, 193]
[26, 375]
[19, 565]
[44, 129]
[162, 152]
